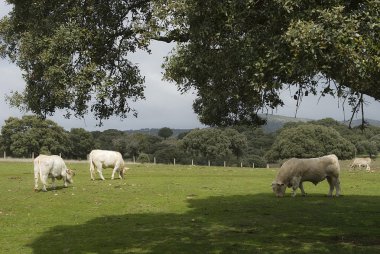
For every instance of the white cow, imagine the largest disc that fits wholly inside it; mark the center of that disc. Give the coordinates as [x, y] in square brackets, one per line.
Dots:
[361, 162]
[296, 171]
[100, 159]
[53, 167]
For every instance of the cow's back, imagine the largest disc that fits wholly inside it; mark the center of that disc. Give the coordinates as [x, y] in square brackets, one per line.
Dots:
[359, 161]
[106, 158]
[49, 164]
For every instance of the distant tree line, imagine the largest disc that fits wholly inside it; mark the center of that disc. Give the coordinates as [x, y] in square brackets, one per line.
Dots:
[241, 145]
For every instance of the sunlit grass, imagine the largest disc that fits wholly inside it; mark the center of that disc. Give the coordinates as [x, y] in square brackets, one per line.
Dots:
[184, 209]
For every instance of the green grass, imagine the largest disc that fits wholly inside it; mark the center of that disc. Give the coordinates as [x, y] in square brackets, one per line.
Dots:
[183, 209]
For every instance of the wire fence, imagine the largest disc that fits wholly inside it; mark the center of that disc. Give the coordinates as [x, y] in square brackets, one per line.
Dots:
[173, 161]
[343, 163]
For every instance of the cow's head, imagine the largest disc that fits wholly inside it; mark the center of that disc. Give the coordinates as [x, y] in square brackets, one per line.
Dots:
[69, 175]
[278, 189]
[123, 171]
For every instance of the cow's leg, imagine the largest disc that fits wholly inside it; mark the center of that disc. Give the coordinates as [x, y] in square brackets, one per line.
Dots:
[294, 190]
[92, 171]
[121, 172]
[53, 183]
[99, 168]
[101, 174]
[116, 168]
[65, 182]
[295, 184]
[36, 175]
[302, 190]
[337, 187]
[44, 182]
[332, 183]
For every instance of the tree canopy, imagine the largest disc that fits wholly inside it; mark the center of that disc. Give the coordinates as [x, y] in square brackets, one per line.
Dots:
[237, 55]
[237, 146]
[240, 54]
[214, 144]
[22, 137]
[75, 53]
[308, 141]
[165, 132]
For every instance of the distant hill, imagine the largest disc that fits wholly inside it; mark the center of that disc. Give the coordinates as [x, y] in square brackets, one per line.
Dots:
[275, 122]
[359, 122]
[154, 131]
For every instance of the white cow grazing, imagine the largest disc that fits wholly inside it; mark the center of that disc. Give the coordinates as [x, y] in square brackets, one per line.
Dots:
[361, 162]
[100, 159]
[53, 167]
[296, 171]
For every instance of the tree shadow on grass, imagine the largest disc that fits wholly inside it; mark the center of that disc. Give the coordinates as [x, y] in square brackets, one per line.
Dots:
[232, 224]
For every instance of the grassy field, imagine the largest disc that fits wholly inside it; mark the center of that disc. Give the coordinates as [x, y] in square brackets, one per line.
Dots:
[184, 209]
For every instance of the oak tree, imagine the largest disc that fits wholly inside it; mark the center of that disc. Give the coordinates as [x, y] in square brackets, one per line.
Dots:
[237, 55]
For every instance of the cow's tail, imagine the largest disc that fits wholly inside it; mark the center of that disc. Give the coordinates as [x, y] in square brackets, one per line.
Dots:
[37, 172]
[92, 167]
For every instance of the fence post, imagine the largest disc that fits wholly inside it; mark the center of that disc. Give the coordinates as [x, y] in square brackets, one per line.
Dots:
[134, 159]
[192, 162]
[209, 164]
[5, 155]
[32, 155]
[253, 165]
[174, 161]
[224, 163]
[154, 160]
[241, 164]
[267, 165]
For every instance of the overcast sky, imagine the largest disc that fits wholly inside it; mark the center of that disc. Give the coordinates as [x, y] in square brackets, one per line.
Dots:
[164, 105]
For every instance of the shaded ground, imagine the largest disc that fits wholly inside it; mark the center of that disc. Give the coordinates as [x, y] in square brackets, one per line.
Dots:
[234, 224]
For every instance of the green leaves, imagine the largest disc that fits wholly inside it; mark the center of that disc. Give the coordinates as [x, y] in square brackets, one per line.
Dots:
[74, 54]
[239, 56]
[165, 132]
[214, 144]
[236, 55]
[307, 141]
[22, 137]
